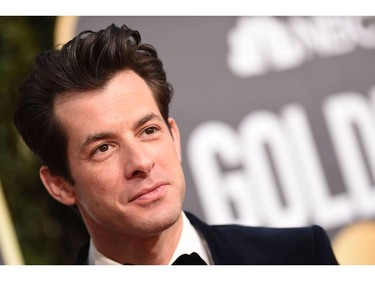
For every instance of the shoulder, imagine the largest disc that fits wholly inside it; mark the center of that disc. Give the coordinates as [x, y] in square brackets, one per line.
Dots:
[265, 233]
[271, 237]
[267, 245]
[83, 254]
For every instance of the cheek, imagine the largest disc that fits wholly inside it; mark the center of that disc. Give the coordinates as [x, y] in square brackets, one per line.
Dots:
[172, 163]
[97, 182]
[171, 149]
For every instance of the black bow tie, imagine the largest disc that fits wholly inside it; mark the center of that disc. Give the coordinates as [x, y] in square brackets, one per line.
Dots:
[192, 259]
[185, 259]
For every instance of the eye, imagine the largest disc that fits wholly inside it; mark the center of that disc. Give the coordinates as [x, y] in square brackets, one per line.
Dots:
[150, 130]
[102, 148]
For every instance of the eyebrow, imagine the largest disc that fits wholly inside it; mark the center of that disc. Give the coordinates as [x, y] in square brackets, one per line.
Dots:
[146, 118]
[105, 135]
[96, 137]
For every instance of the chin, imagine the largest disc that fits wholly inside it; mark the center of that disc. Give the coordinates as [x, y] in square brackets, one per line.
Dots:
[158, 222]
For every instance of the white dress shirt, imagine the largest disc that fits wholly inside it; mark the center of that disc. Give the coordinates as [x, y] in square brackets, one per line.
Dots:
[190, 241]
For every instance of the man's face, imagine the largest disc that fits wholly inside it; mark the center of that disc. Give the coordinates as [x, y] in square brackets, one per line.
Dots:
[125, 162]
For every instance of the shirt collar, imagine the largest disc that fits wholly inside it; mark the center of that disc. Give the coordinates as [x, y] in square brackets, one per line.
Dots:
[190, 241]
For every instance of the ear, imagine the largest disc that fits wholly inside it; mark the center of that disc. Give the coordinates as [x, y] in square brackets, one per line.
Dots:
[57, 186]
[176, 136]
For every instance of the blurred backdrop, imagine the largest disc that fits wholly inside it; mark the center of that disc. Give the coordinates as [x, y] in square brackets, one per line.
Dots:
[48, 233]
[276, 116]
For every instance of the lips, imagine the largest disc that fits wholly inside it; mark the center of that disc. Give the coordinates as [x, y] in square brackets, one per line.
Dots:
[149, 194]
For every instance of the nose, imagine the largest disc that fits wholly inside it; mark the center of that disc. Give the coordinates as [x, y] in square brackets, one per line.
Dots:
[138, 162]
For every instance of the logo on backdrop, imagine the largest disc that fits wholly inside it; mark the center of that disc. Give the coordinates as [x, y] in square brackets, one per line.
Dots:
[268, 170]
[259, 45]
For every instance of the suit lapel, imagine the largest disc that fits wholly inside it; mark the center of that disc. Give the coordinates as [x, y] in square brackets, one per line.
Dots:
[222, 251]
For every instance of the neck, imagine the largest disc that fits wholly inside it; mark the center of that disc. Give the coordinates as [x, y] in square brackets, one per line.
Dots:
[141, 250]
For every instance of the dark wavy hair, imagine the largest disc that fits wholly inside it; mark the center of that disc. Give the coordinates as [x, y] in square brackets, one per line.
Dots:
[85, 63]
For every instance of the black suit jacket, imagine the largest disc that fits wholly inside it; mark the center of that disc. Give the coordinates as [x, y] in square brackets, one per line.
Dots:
[244, 245]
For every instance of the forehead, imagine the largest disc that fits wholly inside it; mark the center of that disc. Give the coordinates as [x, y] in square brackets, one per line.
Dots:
[127, 96]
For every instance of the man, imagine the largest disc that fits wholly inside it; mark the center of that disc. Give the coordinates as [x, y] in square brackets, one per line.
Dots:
[96, 113]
